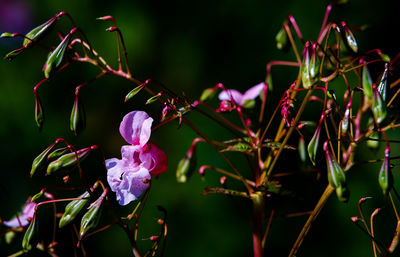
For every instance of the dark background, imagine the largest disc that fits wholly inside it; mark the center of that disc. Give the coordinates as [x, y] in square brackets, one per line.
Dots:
[189, 46]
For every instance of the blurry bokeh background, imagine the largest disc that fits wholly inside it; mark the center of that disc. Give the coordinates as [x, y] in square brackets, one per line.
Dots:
[189, 46]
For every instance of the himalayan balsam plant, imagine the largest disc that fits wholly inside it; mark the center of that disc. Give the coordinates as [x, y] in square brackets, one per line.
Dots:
[355, 110]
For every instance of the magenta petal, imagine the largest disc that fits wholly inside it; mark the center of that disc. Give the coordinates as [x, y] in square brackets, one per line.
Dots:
[154, 159]
[27, 215]
[135, 128]
[253, 92]
[231, 94]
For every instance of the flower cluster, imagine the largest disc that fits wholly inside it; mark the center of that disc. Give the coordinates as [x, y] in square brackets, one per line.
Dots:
[130, 176]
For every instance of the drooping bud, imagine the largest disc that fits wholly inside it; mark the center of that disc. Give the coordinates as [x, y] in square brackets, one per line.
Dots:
[382, 87]
[302, 149]
[366, 82]
[37, 32]
[336, 176]
[91, 218]
[14, 53]
[30, 237]
[378, 105]
[346, 118]
[57, 153]
[73, 209]
[39, 114]
[78, 117]
[281, 38]
[69, 160]
[55, 58]
[349, 38]
[40, 161]
[187, 165]
[208, 93]
[314, 142]
[385, 177]
[154, 98]
[134, 91]
[305, 66]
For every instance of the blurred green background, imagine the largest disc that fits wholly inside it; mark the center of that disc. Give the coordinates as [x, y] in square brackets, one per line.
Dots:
[189, 46]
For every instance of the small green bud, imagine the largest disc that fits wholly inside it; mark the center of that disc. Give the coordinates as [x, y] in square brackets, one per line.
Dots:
[313, 145]
[373, 144]
[134, 91]
[378, 106]
[366, 82]
[7, 35]
[68, 161]
[91, 218]
[154, 98]
[10, 236]
[78, 117]
[37, 32]
[305, 67]
[207, 94]
[39, 114]
[382, 87]
[336, 175]
[350, 40]
[30, 237]
[73, 209]
[281, 38]
[385, 177]
[40, 161]
[302, 149]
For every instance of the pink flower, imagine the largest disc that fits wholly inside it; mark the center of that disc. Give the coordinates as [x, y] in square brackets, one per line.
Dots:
[239, 98]
[27, 215]
[130, 176]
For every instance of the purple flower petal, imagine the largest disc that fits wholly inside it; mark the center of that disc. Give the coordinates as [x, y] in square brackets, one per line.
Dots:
[154, 159]
[27, 215]
[231, 94]
[135, 128]
[253, 92]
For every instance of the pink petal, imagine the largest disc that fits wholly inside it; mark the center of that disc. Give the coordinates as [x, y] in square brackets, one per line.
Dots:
[229, 94]
[135, 128]
[253, 92]
[154, 159]
[27, 215]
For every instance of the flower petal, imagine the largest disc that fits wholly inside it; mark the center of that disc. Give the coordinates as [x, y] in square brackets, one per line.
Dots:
[27, 215]
[253, 92]
[134, 183]
[231, 94]
[135, 128]
[154, 159]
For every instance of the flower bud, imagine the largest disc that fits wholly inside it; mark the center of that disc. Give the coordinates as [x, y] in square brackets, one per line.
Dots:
[39, 114]
[154, 98]
[30, 236]
[9, 236]
[366, 82]
[55, 58]
[350, 40]
[134, 91]
[67, 161]
[385, 177]
[314, 61]
[336, 176]
[378, 105]
[208, 93]
[37, 32]
[305, 67]
[313, 144]
[40, 161]
[346, 118]
[281, 38]
[73, 209]
[187, 165]
[302, 149]
[382, 87]
[78, 117]
[57, 153]
[91, 218]
[373, 144]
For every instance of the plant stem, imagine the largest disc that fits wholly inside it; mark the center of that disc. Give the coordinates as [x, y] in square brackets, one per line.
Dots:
[258, 217]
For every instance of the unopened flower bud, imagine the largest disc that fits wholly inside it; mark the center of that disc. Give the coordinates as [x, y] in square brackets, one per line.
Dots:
[39, 114]
[378, 105]
[73, 209]
[281, 38]
[68, 160]
[382, 87]
[91, 218]
[350, 40]
[77, 118]
[366, 82]
[37, 32]
[312, 147]
[385, 177]
[208, 93]
[40, 161]
[336, 176]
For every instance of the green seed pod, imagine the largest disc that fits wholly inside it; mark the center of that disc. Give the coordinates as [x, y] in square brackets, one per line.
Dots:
[91, 218]
[154, 98]
[73, 209]
[336, 176]
[314, 61]
[134, 91]
[385, 177]
[188, 164]
[378, 106]
[9, 236]
[373, 144]
[30, 237]
[78, 117]
[57, 153]
[302, 149]
[68, 160]
[346, 118]
[55, 58]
